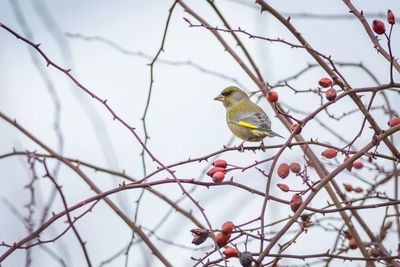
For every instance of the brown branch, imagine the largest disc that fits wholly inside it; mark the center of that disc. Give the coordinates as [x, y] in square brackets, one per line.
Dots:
[70, 221]
[93, 186]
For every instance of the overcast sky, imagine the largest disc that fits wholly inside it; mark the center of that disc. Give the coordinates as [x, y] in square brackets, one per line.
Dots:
[108, 45]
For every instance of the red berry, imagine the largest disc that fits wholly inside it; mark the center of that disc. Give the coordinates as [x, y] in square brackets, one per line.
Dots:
[222, 239]
[283, 187]
[220, 163]
[378, 26]
[394, 121]
[390, 17]
[329, 153]
[331, 94]
[295, 167]
[272, 96]
[353, 244]
[294, 128]
[218, 177]
[227, 228]
[325, 82]
[358, 189]
[358, 164]
[350, 166]
[348, 187]
[231, 252]
[214, 170]
[283, 170]
[296, 202]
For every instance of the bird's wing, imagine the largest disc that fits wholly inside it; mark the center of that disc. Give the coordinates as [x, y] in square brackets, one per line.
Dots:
[258, 120]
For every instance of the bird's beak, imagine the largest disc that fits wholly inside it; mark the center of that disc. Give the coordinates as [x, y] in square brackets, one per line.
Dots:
[220, 98]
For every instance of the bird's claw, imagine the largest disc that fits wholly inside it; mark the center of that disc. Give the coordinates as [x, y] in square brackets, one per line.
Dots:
[241, 147]
[262, 146]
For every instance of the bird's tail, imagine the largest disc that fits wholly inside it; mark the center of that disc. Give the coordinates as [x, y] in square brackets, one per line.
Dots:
[273, 134]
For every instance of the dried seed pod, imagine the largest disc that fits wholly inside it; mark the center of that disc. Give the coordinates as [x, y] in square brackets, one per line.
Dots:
[246, 259]
[199, 236]
[390, 17]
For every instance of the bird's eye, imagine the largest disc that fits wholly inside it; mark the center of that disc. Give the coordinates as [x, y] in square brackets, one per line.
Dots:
[226, 93]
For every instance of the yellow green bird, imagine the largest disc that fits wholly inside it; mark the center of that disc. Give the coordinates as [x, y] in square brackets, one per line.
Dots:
[245, 119]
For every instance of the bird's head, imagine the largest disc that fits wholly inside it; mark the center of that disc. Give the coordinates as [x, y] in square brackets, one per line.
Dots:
[230, 96]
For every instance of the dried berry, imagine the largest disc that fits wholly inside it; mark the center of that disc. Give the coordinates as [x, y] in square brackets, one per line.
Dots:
[227, 228]
[272, 96]
[329, 153]
[390, 17]
[283, 187]
[378, 26]
[295, 167]
[220, 163]
[331, 94]
[296, 202]
[199, 236]
[218, 177]
[325, 82]
[283, 170]
[230, 252]
[246, 259]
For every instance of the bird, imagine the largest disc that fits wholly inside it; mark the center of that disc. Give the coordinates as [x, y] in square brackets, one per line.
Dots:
[245, 119]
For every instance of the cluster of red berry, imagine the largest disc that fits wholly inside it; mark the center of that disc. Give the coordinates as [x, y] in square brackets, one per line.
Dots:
[218, 171]
[331, 93]
[283, 171]
[378, 26]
